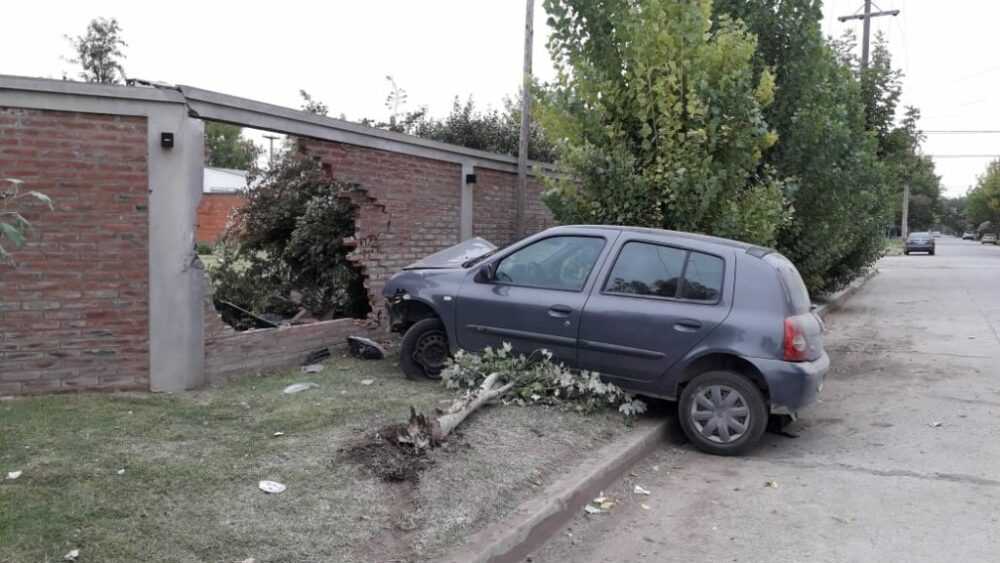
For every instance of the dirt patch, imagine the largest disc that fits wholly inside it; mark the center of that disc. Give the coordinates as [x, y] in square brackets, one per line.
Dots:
[384, 457]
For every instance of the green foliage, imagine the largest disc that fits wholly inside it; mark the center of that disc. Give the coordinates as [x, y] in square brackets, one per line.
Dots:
[659, 119]
[312, 105]
[14, 226]
[204, 249]
[99, 52]
[982, 204]
[288, 247]
[539, 380]
[225, 147]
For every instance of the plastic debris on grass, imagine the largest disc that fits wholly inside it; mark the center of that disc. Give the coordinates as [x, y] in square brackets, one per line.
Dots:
[72, 555]
[367, 381]
[298, 388]
[771, 484]
[600, 505]
[271, 487]
[278, 434]
[312, 368]
[638, 490]
[11, 475]
[936, 424]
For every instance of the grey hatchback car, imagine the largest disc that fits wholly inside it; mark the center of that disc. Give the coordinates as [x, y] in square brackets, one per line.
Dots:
[722, 327]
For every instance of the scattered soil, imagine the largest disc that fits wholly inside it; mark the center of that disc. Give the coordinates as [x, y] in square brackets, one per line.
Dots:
[384, 457]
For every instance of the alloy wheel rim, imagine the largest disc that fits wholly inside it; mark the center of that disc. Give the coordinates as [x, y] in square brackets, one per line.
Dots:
[720, 414]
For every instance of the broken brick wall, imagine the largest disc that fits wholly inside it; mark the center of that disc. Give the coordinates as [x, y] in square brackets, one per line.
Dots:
[74, 311]
[409, 207]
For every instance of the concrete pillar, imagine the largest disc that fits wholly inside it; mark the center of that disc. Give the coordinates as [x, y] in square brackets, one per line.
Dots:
[176, 332]
[468, 195]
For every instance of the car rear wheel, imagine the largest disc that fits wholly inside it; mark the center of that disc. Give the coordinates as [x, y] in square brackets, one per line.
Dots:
[723, 413]
[424, 350]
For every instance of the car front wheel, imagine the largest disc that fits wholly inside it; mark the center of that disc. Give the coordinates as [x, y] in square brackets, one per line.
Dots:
[424, 350]
[723, 413]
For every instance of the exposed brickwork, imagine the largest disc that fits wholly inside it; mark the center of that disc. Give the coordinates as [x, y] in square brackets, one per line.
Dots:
[411, 208]
[74, 311]
[493, 207]
[213, 215]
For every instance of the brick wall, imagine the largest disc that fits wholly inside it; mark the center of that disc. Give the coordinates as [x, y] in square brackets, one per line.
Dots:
[230, 354]
[409, 207]
[213, 215]
[493, 206]
[74, 311]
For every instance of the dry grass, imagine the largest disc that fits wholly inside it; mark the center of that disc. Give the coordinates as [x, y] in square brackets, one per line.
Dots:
[192, 462]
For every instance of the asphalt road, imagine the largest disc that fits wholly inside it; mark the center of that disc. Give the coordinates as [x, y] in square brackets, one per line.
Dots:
[899, 461]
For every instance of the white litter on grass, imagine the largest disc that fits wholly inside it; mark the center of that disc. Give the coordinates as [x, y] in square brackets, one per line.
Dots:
[312, 368]
[298, 388]
[771, 484]
[936, 424]
[121, 471]
[591, 509]
[367, 381]
[640, 491]
[644, 506]
[11, 475]
[271, 487]
[72, 555]
[278, 434]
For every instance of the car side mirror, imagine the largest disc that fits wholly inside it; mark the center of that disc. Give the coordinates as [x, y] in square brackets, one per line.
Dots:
[485, 274]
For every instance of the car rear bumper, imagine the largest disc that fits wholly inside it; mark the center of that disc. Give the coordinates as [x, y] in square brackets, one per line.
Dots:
[793, 385]
[919, 247]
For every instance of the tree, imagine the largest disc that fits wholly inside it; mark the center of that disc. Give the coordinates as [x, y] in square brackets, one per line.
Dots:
[983, 201]
[288, 247]
[225, 147]
[658, 118]
[312, 105]
[99, 52]
[14, 226]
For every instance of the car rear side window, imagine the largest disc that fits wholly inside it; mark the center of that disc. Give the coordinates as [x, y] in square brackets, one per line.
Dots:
[703, 278]
[664, 271]
[647, 269]
[795, 288]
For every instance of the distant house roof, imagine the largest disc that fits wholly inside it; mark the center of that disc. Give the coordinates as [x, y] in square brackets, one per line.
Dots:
[224, 180]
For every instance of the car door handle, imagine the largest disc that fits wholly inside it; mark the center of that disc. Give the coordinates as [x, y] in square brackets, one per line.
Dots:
[560, 311]
[687, 325]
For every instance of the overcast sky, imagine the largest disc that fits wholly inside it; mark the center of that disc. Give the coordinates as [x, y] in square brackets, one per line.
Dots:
[341, 51]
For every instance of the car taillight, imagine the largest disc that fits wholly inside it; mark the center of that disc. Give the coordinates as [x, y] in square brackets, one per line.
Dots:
[796, 345]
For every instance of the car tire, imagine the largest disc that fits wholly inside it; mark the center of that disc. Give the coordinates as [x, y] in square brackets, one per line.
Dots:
[906, 253]
[706, 397]
[424, 350]
[931, 253]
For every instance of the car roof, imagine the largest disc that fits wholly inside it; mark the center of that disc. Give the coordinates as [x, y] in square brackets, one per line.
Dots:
[758, 251]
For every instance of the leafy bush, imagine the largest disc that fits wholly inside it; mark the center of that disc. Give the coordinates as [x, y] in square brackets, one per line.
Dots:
[539, 380]
[287, 247]
[13, 225]
[203, 248]
[659, 117]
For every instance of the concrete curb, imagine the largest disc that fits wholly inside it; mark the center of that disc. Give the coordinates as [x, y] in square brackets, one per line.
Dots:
[515, 537]
[837, 300]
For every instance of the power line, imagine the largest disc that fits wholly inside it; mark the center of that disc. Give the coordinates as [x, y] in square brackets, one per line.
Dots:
[866, 18]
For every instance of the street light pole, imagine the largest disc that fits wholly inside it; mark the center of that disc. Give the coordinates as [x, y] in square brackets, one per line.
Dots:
[867, 18]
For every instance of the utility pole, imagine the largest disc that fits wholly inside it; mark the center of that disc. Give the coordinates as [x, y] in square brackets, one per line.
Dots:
[904, 224]
[867, 17]
[522, 147]
[270, 142]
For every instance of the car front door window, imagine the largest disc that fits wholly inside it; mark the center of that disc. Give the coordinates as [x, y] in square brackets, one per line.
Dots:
[562, 263]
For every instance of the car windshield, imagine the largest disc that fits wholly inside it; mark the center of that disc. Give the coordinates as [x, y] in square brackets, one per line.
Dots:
[918, 236]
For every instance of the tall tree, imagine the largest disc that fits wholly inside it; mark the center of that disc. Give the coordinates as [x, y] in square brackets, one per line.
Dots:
[659, 118]
[225, 147]
[983, 201]
[99, 52]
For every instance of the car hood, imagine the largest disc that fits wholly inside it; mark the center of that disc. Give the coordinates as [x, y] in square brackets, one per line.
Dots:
[454, 256]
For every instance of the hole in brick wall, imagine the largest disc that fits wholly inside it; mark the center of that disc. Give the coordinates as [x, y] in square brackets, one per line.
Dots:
[285, 255]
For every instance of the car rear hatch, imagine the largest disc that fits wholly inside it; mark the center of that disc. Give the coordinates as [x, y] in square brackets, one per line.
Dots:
[803, 329]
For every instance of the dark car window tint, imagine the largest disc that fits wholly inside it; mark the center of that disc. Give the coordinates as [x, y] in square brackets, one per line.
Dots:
[553, 263]
[647, 269]
[703, 278]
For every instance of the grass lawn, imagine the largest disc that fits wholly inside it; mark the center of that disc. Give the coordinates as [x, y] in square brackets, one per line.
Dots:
[893, 247]
[192, 462]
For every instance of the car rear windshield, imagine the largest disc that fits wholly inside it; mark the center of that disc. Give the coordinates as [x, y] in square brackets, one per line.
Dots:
[795, 288]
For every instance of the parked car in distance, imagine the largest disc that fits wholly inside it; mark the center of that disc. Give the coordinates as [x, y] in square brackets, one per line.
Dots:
[968, 235]
[722, 327]
[989, 238]
[919, 242]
